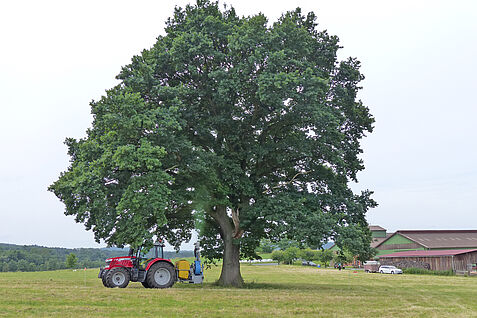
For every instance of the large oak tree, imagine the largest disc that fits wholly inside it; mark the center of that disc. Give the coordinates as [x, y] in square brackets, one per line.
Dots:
[237, 127]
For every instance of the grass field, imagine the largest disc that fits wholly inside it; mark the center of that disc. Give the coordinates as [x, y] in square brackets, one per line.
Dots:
[271, 291]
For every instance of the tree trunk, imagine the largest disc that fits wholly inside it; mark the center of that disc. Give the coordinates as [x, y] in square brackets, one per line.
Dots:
[230, 275]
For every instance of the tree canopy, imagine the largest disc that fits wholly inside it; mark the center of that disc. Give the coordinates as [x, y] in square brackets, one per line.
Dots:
[238, 127]
[71, 260]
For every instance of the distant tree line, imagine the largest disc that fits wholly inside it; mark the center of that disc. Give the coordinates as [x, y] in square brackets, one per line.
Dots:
[30, 258]
[288, 251]
[291, 254]
[267, 246]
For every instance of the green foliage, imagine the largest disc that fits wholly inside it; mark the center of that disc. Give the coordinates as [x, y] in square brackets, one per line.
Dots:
[326, 256]
[278, 256]
[343, 257]
[226, 116]
[355, 240]
[308, 254]
[266, 246]
[290, 255]
[285, 243]
[422, 271]
[71, 260]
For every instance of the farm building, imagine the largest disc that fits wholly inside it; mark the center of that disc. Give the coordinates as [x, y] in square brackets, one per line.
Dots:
[378, 235]
[439, 260]
[416, 240]
[430, 249]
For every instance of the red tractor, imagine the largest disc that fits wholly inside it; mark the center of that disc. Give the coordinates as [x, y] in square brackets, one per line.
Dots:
[152, 272]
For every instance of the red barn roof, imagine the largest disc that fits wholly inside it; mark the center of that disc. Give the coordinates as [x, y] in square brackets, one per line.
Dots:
[427, 253]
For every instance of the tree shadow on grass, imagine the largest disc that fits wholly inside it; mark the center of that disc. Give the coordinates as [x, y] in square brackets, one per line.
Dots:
[281, 286]
[301, 286]
[276, 286]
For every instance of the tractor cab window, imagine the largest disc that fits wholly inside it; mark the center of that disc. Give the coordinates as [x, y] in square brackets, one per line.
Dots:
[139, 253]
[153, 252]
[148, 253]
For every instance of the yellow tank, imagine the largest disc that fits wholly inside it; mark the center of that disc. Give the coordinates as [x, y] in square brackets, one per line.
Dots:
[182, 268]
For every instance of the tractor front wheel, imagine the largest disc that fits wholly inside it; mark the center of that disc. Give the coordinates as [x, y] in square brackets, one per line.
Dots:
[103, 279]
[117, 277]
[161, 275]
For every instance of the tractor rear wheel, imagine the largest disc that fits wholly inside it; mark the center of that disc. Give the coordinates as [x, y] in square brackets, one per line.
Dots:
[117, 277]
[161, 275]
[145, 284]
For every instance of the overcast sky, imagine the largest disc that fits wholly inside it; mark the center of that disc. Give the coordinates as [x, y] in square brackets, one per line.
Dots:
[419, 59]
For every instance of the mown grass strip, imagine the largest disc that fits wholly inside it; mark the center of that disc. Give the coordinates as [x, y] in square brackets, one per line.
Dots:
[269, 291]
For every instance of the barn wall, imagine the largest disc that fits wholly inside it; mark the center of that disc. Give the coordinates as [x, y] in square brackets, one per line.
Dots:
[399, 242]
[378, 233]
[397, 239]
[440, 263]
[403, 262]
[384, 252]
[406, 246]
[463, 259]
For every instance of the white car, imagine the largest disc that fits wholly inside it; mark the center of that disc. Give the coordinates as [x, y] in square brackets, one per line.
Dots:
[388, 269]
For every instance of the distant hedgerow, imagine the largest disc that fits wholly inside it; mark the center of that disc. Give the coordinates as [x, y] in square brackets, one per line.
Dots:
[422, 271]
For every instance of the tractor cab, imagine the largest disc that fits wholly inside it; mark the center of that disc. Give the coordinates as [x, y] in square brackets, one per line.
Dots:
[141, 256]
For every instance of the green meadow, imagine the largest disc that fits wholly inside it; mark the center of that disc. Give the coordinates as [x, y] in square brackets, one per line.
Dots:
[270, 291]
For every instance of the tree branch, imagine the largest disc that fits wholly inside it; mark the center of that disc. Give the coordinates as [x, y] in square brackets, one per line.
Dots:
[284, 184]
[238, 232]
[171, 168]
